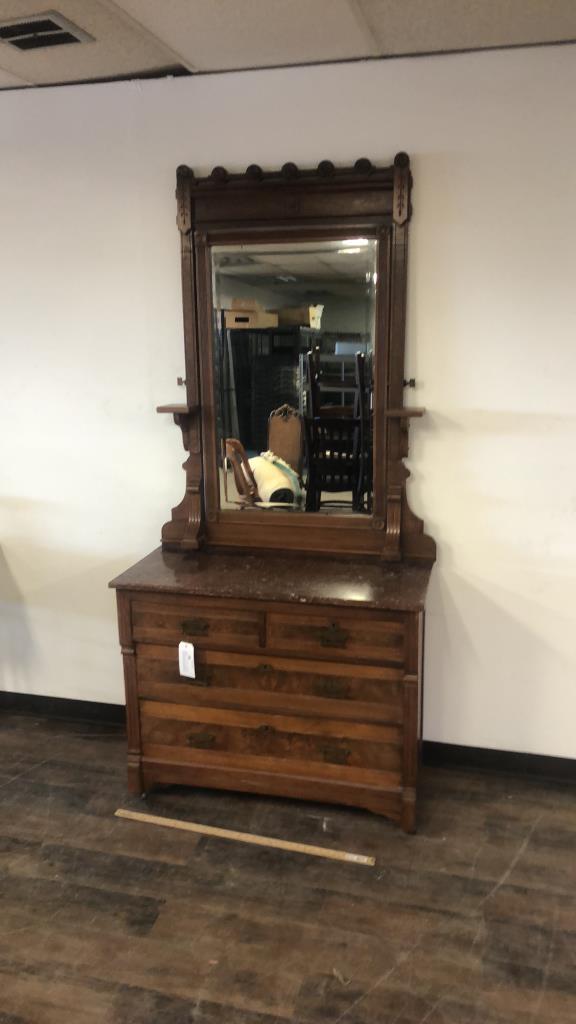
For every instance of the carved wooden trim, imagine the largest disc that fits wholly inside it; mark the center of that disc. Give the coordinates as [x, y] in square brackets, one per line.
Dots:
[124, 613]
[415, 543]
[326, 173]
[185, 529]
[381, 373]
[131, 690]
[391, 546]
[402, 184]
[392, 432]
[184, 178]
[404, 531]
[409, 751]
[412, 717]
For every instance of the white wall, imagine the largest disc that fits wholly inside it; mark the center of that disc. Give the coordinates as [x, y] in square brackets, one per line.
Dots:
[91, 341]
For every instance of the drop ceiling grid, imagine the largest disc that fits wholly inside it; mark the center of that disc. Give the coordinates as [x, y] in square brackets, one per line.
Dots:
[263, 33]
[254, 33]
[10, 81]
[133, 37]
[119, 47]
[425, 26]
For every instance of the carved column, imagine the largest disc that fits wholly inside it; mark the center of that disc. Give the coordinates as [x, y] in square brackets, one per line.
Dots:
[135, 784]
[404, 536]
[184, 531]
[396, 471]
[412, 723]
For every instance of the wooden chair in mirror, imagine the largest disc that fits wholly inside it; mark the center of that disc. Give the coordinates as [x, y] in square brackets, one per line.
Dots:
[338, 437]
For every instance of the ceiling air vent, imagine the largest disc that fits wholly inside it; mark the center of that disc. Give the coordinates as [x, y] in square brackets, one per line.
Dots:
[40, 30]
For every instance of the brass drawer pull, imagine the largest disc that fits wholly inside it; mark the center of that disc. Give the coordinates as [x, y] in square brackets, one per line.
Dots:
[265, 730]
[202, 740]
[195, 627]
[264, 668]
[333, 635]
[336, 755]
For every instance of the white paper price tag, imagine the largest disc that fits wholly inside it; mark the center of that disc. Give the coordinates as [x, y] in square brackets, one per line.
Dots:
[186, 659]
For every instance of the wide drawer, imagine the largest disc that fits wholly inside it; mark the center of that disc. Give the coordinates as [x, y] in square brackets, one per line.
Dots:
[157, 620]
[239, 734]
[267, 683]
[374, 636]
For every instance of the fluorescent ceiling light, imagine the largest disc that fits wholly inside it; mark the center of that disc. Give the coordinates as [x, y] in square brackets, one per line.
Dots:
[355, 242]
[348, 252]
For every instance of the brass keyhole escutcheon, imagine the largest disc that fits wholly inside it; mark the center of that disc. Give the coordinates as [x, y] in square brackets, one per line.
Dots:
[333, 688]
[195, 627]
[265, 730]
[202, 740]
[336, 755]
[333, 636]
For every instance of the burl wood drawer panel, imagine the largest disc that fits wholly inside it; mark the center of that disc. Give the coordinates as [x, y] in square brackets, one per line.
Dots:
[267, 683]
[240, 734]
[158, 620]
[374, 636]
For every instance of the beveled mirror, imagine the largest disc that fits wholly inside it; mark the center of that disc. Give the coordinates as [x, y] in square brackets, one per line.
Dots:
[293, 354]
[294, 287]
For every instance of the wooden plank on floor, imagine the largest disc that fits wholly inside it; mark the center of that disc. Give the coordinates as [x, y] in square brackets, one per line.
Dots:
[246, 837]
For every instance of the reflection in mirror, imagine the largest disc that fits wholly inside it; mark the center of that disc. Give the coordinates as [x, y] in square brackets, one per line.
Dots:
[294, 343]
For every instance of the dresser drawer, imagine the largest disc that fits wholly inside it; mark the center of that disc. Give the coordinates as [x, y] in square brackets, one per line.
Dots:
[158, 620]
[372, 637]
[267, 683]
[237, 734]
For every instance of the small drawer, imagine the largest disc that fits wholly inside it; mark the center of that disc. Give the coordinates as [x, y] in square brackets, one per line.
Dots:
[268, 683]
[371, 637]
[239, 734]
[167, 621]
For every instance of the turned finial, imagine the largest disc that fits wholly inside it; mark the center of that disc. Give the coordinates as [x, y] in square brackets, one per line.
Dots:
[326, 168]
[401, 160]
[290, 170]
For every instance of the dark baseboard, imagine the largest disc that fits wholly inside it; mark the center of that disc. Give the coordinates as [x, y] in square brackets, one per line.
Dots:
[61, 707]
[451, 755]
[439, 755]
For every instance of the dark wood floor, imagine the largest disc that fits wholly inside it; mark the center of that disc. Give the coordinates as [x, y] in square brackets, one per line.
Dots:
[472, 921]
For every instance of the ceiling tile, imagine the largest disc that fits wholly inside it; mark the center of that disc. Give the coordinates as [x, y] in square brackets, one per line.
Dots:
[119, 48]
[9, 81]
[223, 34]
[412, 26]
[133, 37]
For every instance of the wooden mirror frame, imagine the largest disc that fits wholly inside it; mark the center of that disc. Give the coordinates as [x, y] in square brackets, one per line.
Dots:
[297, 205]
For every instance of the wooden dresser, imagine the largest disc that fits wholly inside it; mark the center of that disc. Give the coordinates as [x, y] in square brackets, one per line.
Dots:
[308, 676]
[303, 598]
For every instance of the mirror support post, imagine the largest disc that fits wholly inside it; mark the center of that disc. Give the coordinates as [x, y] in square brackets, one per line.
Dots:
[184, 530]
